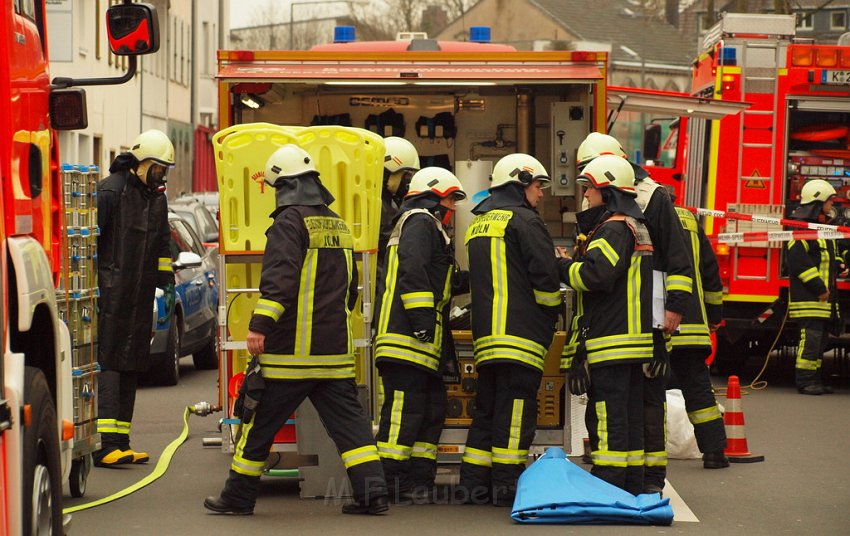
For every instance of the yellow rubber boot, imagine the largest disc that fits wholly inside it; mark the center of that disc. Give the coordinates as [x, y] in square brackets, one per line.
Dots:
[138, 457]
[114, 457]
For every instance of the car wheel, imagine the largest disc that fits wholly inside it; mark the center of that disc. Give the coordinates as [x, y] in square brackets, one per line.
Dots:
[168, 372]
[42, 469]
[207, 357]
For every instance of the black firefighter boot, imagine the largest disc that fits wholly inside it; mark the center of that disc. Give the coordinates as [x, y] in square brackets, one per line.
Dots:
[375, 506]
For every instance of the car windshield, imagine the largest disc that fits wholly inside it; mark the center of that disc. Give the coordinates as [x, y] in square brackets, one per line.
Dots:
[187, 214]
[182, 239]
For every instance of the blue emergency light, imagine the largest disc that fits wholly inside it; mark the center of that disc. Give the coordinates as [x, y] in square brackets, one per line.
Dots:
[479, 34]
[344, 34]
[729, 56]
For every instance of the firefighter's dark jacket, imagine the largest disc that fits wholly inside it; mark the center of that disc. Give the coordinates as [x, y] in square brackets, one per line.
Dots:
[613, 280]
[133, 259]
[705, 305]
[417, 289]
[668, 241]
[308, 289]
[812, 269]
[514, 280]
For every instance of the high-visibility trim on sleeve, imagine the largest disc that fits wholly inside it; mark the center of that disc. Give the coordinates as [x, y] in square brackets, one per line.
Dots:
[269, 308]
[165, 264]
[713, 298]
[414, 300]
[808, 275]
[575, 277]
[602, 245]
[682, 283]
[549, 299]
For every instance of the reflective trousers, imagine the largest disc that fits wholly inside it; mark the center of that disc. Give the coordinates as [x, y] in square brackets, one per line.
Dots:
[691, 375]
[116, 400]
[501, 432]
[412, 419]
[813, 343]
[344, 419]
[614, 420]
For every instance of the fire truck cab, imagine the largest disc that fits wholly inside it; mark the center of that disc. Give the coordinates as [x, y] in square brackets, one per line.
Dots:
[793, 125]
[37, 403]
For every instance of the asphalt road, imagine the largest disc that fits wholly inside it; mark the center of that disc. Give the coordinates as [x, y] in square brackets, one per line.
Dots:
[803, 487]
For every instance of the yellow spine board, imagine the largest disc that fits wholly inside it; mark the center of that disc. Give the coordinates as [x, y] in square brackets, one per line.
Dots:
[350, 163]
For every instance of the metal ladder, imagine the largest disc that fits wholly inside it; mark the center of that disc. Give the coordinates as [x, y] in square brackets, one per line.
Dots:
[760, 78]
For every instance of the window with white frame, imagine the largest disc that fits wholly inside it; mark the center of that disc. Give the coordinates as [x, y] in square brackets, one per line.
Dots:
[838, 20]
[805, 21]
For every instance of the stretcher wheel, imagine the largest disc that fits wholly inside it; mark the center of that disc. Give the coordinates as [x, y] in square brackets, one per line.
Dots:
[80, 469]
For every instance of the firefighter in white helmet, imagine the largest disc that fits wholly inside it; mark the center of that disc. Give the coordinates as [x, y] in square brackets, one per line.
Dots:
[413, 338]
[401, 161]
[812, 269]
[672, 259]
[300, 337]
[133, 259]
[515, 304]
[611, 341]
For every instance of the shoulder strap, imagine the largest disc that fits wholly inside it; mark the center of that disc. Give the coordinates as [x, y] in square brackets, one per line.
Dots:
[643, 243]
[396, 233]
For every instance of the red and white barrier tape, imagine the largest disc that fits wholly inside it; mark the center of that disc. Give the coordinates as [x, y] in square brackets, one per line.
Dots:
[778, 236]
[770, 220]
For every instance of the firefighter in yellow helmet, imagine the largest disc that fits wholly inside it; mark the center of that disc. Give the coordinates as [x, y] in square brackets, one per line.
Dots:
[515, 304]
[133, 260]
[611, 335]
[812, 269]
[413, 338]
[300, 335]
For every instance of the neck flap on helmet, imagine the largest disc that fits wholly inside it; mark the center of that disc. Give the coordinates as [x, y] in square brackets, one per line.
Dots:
[123, 162]
[305, 189]
[511, 194]
[621, 202]
[808, 212]
[427, 200]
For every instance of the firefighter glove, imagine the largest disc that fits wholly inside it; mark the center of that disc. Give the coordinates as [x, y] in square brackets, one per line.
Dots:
[170, 298]
[423, 321]
[578, 375]
[658, 367]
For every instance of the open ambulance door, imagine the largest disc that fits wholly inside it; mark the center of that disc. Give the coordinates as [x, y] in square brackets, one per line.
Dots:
[667, 133]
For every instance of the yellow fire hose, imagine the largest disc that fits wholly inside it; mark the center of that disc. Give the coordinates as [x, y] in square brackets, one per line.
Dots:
[202, 409]
[159, 470]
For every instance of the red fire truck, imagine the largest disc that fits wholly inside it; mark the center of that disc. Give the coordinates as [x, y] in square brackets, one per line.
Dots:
[36, 402]
[796, 127]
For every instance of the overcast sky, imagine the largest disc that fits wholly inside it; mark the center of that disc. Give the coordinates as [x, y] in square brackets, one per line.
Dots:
[251, 12]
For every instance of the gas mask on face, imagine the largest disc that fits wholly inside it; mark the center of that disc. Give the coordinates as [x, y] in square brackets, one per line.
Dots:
[153, 174]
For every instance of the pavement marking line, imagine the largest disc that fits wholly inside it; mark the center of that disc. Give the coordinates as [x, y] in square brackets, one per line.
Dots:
[681, 512]
[158, 471]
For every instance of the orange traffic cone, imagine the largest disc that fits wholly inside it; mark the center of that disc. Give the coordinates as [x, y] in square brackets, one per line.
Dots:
[736, 438]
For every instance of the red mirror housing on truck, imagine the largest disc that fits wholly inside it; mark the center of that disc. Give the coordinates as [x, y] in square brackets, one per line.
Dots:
[133, 29]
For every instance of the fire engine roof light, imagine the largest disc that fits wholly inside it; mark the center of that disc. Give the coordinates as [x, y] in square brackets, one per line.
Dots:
[344, 34]
[479, 34]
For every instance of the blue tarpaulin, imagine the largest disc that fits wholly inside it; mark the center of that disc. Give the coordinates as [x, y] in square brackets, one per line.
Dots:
[555, 490]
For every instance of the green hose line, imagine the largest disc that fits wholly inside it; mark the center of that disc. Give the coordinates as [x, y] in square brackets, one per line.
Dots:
[292, 473]
[158, 471]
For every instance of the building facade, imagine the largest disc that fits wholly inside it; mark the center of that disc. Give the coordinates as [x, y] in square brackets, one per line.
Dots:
[173, 90]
